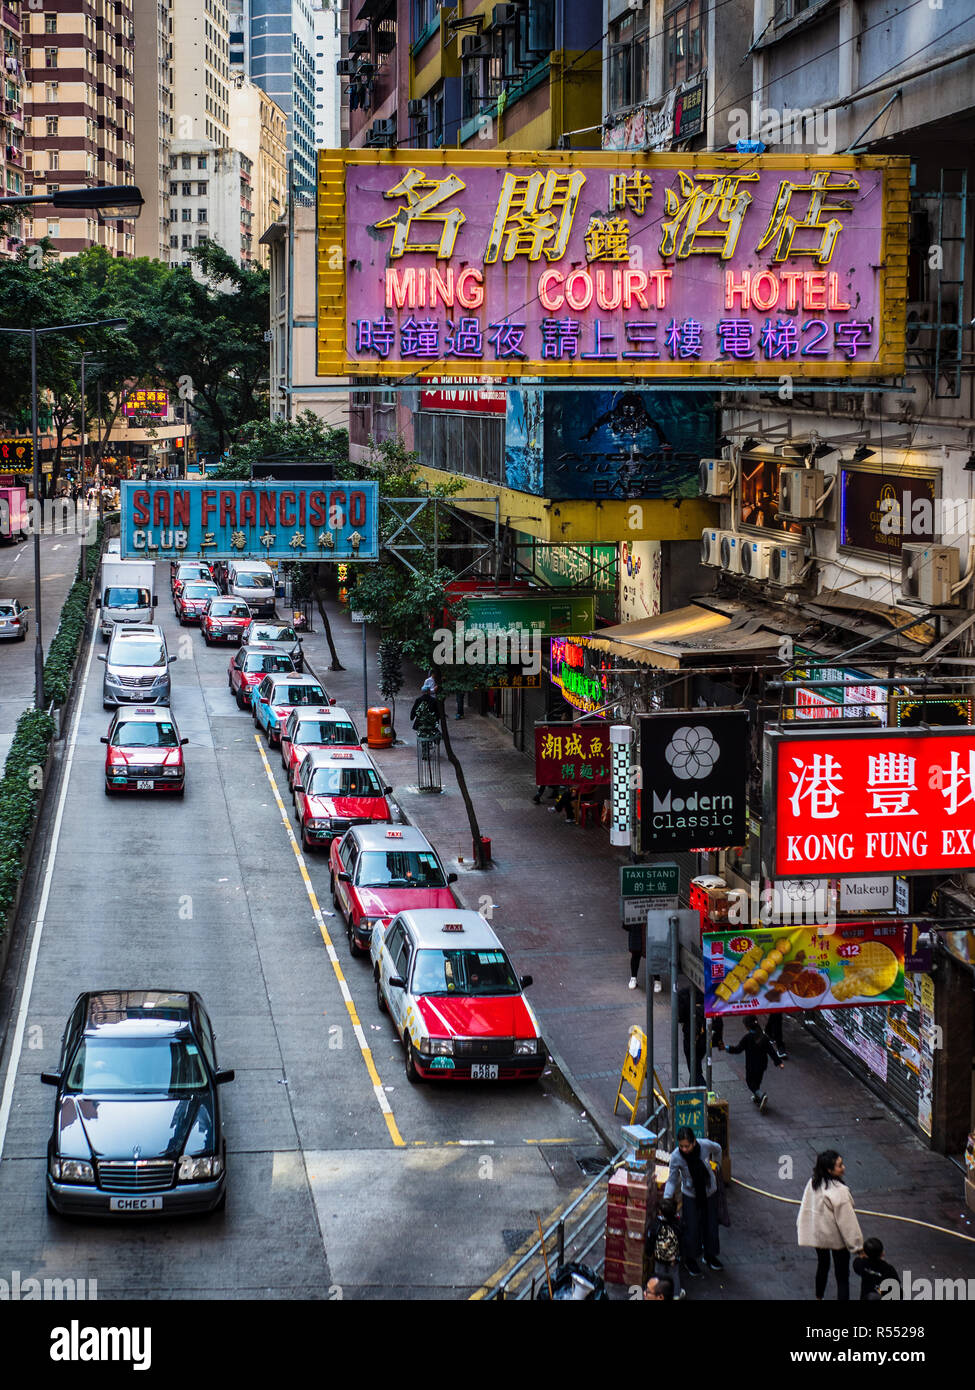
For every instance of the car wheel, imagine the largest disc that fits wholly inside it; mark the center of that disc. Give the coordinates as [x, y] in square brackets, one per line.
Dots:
[207, 640]
[335, 896]
[23, 636]
[181, 792]
[230, 681]
[412, 1075]
[109, 791]
[379, 996]
[304, 840]
[354, 951]
[240, 701]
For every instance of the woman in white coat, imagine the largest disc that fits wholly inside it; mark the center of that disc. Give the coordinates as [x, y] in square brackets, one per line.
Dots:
[827, 1221]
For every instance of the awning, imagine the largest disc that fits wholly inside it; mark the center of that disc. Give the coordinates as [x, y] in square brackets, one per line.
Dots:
[870, 618]
[692, 636]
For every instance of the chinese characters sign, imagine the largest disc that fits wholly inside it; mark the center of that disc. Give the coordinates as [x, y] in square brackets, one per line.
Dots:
[609, 264]
[850, 803]
[789, 968]
[143, 402]
[16, 456]
[250, 521]
[571, 755]
[573, 670]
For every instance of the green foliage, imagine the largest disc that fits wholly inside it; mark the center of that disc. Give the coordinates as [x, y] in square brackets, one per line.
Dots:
[19, 793]
[390, 668]
[305, 437]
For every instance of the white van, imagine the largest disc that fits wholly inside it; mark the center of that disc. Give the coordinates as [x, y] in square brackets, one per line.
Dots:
[253, 583]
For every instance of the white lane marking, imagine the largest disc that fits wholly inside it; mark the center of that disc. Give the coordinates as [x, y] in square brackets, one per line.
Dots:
[13, 1062]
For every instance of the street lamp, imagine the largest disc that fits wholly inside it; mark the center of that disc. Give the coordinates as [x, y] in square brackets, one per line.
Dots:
[36, 333]
[109, 201]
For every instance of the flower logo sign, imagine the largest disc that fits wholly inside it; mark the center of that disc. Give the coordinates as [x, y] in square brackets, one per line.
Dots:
[692, 753]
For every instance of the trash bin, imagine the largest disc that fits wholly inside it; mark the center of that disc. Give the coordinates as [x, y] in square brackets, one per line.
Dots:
[485, 850]
[379, 728]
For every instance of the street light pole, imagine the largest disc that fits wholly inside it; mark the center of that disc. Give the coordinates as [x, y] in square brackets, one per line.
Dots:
[81, 491]
[38, 643]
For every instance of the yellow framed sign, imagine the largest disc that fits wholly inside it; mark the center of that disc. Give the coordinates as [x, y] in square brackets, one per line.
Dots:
[504, 264]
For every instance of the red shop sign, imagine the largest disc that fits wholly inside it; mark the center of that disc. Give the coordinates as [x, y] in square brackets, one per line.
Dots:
[899, 801]
[572, 755]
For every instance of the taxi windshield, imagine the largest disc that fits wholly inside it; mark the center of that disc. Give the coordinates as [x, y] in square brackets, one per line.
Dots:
[200, 590]
[400, 869]
[344, 781]
[274, 633]
[148, 1066]
[144, 733]
[268, 661]
[464, 972]
[299, 695]
[325, 731]
[225, 608]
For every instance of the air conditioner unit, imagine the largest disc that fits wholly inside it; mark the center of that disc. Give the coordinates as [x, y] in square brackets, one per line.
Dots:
[928, 574]
[756, 558]
[345, 67]
[359, 41]
[711, 546]
[729, 551]
[503, 14]
[919, 313]
[786, 564]
[801, 491]
[475, 47]
[716, 477]
[416, 110]
[381, 133]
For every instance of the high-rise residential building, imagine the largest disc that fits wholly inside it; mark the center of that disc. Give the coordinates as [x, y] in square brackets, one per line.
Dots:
[231, 204]
[153, 124]
[272, 42]
[11, 121]
[259, 130]
[201, 71]
[80, 123]
[331, 117]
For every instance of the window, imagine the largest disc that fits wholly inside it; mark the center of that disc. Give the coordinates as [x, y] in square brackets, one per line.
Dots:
[54, 160]
[53, 228]
[187, 215]
[50, 57]
[201, 215]
[52, 125]
[187, 190]
[684, 29]
[174, 241]
[629, 60]
[201, 161]
[201, 190]
[187, 241]
[52, 91]
[788, 9]
[50, 24]
[173, 190]
[186, 161]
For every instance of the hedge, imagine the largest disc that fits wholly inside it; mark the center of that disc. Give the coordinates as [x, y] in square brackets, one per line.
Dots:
[20, 786]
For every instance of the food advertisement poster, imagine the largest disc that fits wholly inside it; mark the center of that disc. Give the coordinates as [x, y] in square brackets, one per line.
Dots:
[776, 971]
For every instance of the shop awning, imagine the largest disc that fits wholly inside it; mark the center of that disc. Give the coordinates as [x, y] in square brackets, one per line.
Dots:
[692, 636]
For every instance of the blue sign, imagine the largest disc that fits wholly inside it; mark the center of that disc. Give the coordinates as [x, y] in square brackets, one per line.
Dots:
[250, 521]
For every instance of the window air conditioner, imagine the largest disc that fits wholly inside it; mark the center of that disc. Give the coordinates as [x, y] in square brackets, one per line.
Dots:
[416, 110]
[756, 558]
[711, 546]
[716, 477]
[800, 492]
[786, 565]
[928, 573]
[475, 47]
[730, 552]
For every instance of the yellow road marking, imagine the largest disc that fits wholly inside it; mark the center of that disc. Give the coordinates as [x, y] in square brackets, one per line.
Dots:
[492, 1281]
[364, 1047]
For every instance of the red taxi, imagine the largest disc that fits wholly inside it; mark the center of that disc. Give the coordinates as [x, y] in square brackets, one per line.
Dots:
[224, 620]
[454, 998]
[248, 667]
[334, 789]
[191, 600]
[197, 571]
[144, 752]
[377, 871]
[304, 729]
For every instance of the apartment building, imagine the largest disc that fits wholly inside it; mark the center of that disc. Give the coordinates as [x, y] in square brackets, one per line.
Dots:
[259, 128]
[12, 137]
[154, 124]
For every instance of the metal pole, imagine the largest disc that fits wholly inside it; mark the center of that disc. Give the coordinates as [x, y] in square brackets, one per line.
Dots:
[650, 1095]
[707, 1065]
[186, 438]
[81, 491]
[38, 643]
[674, 1076]
[692, 1078]
[365, 674]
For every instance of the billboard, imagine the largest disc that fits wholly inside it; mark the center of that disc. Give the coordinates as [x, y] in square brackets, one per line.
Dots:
[597, 444]
[847, 802]
[693, 765]
[571, 755]
[249, 521]
[16, 456]
[783, 969]
[511, 263]
[461, 393]
[147, 402]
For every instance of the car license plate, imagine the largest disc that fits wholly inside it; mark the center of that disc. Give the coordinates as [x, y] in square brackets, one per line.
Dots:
[135, 1203]
[145, 786]
[484, 1071]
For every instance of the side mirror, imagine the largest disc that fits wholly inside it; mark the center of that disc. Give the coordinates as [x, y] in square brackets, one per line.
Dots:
[155, 600]
[51, 1078]
[183, 742]
[102, 656]
[344, 876]
[396, 983]
[388, 791]
[172, 659]
[332, 700]
[103, 740]
[526, 980]
[222, 1075]
[98, 603]
[451, 878]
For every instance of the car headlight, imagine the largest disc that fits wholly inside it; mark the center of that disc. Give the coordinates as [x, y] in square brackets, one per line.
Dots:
[171, 771]
[322, 823]
[71, 1170]
[439, 1047]
[199, 1169]
[526, 1047]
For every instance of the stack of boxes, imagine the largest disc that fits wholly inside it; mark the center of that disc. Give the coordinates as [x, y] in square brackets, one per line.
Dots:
[626, 1227]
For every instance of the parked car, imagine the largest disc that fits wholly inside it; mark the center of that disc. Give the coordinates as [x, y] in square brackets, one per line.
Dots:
[191, 600]
[144, 752]
[276, 696]
[377, 871]
[454, 998]
[249, 666]
[336, 788]
[326, 726]
[224, 620]
[137, 1118]
[278, 635]
[13, 620]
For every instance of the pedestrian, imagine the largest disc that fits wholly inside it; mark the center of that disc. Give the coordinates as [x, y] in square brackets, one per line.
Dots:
[425, 716]
[636, 942]
[659, 1289]
[563, 802]
[541, 791]
[827, 1222]
[694, 1165]
[700, 1033]
[758, 1048]
[460, 705]
[873, 1270]
[663, 1239]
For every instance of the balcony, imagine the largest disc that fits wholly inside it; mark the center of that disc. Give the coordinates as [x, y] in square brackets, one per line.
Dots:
[8, 17]
[15, 156]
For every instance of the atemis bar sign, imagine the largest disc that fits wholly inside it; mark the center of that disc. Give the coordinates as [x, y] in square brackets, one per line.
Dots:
[853, 802]
[250, 521]
[511, 263]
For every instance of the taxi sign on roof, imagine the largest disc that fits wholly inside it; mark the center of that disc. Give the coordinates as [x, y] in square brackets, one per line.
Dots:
[341, 755]
[394, 834]
[453, 926]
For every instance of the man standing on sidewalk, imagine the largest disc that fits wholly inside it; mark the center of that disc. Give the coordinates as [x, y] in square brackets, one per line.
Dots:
[758, 1048]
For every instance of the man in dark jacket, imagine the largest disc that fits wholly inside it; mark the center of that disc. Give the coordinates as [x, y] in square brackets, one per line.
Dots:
[758, 1049]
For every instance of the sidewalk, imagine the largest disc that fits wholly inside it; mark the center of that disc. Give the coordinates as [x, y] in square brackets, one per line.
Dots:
[552, 896]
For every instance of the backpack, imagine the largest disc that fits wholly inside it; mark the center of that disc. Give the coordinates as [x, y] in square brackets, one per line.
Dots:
[666, 1247]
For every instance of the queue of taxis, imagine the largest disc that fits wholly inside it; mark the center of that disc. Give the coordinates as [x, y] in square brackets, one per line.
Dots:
[379, 870]
[277, 695]
[248, 667]
[334, 789]
[192, 599]
[454, 998]
[144, 752]
[224, 620]
[328, 726]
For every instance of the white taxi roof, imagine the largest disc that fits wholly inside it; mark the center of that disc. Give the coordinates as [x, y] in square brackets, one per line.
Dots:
[438, 927]
[349, 757]
[148, 714]
[320, 714]
[392, 837]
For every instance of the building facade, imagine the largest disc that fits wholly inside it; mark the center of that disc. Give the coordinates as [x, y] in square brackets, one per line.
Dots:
[260, 133]
[153, 72]
[12, 123]
[331, 114]
[274, 46]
